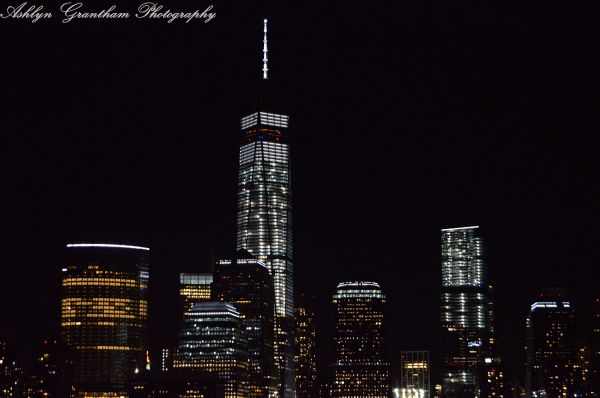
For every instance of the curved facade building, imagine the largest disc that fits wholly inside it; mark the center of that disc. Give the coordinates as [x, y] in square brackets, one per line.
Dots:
[104, 314]
[360, 368]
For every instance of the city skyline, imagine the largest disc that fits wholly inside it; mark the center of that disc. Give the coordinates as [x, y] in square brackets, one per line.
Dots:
[370, 191]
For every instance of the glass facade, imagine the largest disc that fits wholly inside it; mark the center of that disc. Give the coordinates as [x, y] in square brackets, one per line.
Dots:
[465, 316]
[359, 369]
[414, 375]
[247, 284]
[104, 314]
[264, 222]
[306, 353]
[194, 288]
[212, 342]
[551, 346]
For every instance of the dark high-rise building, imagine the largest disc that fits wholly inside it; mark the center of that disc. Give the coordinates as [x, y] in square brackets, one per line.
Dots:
[246, 283]
[104, 314]
[306, 353]
[212, 343]
[360, 368]
[414, 375]
[465, 316]
[194, 288]
[582, 371]
[46, 377]
[264, 215]
[492, 379]
[551, 345]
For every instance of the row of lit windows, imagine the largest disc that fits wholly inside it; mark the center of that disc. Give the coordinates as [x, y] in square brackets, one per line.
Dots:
[117, 282]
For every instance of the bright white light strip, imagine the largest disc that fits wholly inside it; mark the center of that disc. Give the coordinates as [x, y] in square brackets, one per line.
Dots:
[265, 52]
[107, 245]
[549, 304]
[342, 284]
[459, 228]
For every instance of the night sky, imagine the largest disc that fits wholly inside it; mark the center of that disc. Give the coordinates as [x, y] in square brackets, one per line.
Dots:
[404, 119]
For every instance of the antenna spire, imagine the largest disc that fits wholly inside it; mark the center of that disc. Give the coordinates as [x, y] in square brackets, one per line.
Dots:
[265, 69]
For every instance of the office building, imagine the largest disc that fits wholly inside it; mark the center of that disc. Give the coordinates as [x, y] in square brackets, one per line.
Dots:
[104, 314]
[360, 368]
[166, 359]
[464, 315]
[194, 288]
[414, 375]
[306, 352]
[246, 283]
[551, 346]
[212, 343]
[264, 214]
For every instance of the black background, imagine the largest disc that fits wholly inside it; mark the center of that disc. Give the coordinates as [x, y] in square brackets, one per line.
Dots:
[405, 118]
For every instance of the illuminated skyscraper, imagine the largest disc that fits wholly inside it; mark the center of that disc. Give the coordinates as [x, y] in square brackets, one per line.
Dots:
[212, 343]
[194, 288]
[264, 216]
[104, 313]
[360, 368]
[551, 346]
[246, 283]
[464, 315]
[306, 353]
[414, 375]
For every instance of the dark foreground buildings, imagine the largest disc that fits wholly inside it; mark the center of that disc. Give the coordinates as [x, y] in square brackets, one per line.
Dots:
[175, 384]
[104, 314]
[360, 368]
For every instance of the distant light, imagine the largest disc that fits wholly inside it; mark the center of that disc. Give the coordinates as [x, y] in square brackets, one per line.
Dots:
[109, 245]
[64, 270]
[488, 360]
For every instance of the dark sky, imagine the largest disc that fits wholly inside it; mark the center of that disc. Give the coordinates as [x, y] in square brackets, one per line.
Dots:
[405, 118]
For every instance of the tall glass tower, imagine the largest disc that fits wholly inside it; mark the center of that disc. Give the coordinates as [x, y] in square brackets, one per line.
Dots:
[465, 319]
[264, 217]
